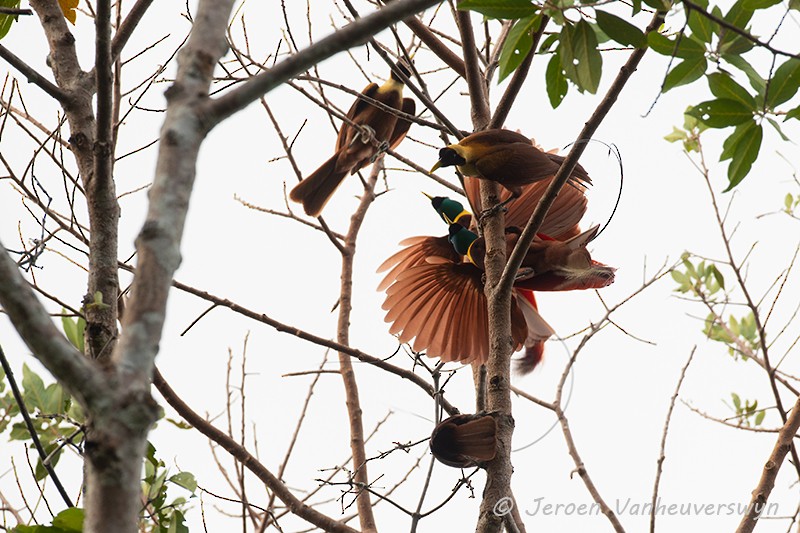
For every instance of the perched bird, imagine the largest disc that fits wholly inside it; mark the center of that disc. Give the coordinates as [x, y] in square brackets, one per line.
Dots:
[465, 440]
[355, 150]
[567, 260]
[506, 157]
[435, 297]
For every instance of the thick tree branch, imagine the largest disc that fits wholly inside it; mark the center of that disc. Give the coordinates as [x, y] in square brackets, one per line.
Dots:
[127, 27]
[352, 399]
[561, 177]
[33, 76]
[761, 493]
[239, 453]
[479, 99]
[78, 375]
[347, 37]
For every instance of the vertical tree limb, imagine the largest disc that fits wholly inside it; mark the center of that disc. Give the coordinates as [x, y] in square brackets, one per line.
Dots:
[352, 400]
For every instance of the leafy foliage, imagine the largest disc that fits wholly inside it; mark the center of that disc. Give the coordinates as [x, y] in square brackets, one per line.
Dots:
[6, 21]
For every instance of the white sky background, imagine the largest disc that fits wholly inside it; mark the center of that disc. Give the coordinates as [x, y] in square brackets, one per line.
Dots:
[622, 386]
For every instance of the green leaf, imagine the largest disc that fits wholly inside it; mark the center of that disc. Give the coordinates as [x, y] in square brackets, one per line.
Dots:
[500, 9]
[557, 85]
[759, 4]
[620, 30]
[185, 480]
[778, 129]
[788, 201]
[686, 71]
[579, 56]
[676, 135]
[54, 400]
[684, 47]
[717, 276]
[738, 16]
[547, 43]
[34, 391]
[70, 519]
[701, 26]
[40, 472]
[19, 431]
[721, 113]
[176, 524]
[73, 329]
[759, 418]
[794, 113]
[737, 402]
[729, 146]
[784, 83]
[658, 5]
[518, 45]
[756, 81]
[794, 4]
[746, 153]
[723, 86]
[7, 20]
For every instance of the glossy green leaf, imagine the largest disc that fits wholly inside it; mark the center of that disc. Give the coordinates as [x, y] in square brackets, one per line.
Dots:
[620, 30]
[729, 145]
[737, 46]
[702, 27]
[784, 83]
[756, 81]
[33, 390]
[746, 153]
[547, 43]
[659, 5]
[518, 45]
[685, 47]
[759, 4]
[70, 519]
[723, 86]
[777, 127]
[557, 85]
[185, 480]
[721, 113]
[686, 71]
[500, 9]
[739, 16]
[579, 56]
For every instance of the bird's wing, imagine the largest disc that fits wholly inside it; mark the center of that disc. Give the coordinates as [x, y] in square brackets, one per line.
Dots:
[443, 308]
[562, 219]
[579, 174]
[538, 332]
[416, 251]
[343, 138]
[514, 163]
[402, 125]
[495, 136]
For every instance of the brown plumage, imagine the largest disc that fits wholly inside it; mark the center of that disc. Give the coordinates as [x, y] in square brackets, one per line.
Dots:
[506, 157]
[462, 441]
[353, 151]
[435, 300]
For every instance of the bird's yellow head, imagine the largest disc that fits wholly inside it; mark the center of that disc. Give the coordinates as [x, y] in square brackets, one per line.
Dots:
[448, 157]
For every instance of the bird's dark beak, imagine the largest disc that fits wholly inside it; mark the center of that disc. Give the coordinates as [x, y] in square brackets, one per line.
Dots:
[434, 167]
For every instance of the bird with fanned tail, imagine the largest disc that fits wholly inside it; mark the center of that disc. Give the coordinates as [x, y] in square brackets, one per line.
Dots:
[434, 285]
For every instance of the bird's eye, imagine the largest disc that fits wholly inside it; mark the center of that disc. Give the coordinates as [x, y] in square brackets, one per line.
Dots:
[450, 157]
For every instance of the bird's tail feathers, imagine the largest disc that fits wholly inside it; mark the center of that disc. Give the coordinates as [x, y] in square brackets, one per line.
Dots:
[315, 191]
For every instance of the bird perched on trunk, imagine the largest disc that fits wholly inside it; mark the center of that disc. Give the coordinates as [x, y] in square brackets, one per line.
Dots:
[506, 157]
[436, 298]
[373, 130]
